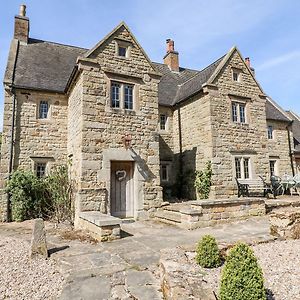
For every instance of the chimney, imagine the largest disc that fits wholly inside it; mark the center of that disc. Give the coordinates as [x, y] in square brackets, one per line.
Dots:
[248, 63]
[171, 58]
[21, 32]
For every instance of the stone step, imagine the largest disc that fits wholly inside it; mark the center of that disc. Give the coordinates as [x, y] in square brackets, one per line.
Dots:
[169, 215]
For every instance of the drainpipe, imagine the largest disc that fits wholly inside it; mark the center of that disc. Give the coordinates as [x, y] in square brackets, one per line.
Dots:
[290, 147]
[180, 155]
[12, 139]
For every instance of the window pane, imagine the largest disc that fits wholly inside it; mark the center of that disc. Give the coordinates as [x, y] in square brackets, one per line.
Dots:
[115, 95]
[234, 112]
[238, 173]
[272, 167]
[164, 172]
[163, 121]
[270, 132]
[122, 51]
[128, 101]
[242, 113]
[235, 76]
[246, 168]
[40, 169]
[43, 111]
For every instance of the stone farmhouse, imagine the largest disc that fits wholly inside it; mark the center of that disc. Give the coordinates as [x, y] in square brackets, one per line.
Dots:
[136, 130]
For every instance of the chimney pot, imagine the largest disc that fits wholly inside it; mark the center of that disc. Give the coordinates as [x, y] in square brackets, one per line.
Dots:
[22, 12]
[170, 45]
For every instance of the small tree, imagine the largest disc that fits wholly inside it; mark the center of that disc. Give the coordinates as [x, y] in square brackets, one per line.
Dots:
[203, 181]
[208, 253]
[242, 277]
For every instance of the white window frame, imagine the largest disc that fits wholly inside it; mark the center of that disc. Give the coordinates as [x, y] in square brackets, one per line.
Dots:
[270, 133]
[276, 165]
[165, 123]
[123, 44]
[242, 159]
[122, 96]
[39, 116]
[238, 114]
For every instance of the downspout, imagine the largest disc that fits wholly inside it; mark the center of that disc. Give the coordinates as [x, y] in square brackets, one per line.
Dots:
[290, 147]
[180, 155]
[11, 152]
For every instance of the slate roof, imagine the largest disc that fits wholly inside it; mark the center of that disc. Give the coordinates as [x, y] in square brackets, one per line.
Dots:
[273, 112]
[45, 65]
[296, 130]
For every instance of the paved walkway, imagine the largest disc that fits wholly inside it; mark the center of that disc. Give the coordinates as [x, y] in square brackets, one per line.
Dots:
[128, 268]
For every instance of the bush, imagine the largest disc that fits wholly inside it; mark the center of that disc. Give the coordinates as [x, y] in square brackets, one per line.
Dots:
[27, 194]
[208, 254]
[242, 277]
[203, 181]
[60, 191]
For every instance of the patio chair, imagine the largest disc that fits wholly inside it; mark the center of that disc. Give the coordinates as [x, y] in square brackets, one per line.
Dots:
[287, 183]
[276, 185]
[267, 186]
[297, 183]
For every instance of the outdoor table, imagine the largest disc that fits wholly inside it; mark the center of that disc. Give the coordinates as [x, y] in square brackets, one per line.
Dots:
[287, 182]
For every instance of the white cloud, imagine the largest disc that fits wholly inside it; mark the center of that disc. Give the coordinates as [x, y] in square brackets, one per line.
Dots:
[276, 61]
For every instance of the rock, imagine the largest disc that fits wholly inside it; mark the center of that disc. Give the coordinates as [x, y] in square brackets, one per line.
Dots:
[179, 279]
[285, 224]
[38, 240]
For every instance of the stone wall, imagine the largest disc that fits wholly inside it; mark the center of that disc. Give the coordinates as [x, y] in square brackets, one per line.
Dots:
[278, 147]
[103, 127]
[34, 139]
[231, 139]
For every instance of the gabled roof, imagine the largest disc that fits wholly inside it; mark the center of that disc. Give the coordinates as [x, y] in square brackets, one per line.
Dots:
[43, 65]
[275, 112]
[295, 129]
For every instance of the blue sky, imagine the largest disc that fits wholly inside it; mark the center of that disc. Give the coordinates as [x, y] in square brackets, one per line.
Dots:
[267, 31]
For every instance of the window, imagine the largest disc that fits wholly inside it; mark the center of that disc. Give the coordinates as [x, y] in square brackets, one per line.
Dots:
[122, 95]
[163, 122]
[270, 132]
[43, 110]
[164, 172]
[235, 76]
[128, 101]
[238, 112]
[242, 167]
[272, 167]
[115, 95]
[40, 169]
[122, 51]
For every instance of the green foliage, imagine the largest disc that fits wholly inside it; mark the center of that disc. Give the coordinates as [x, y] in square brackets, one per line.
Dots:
[242, 277]
[208, 253]
[27, 194]
[60, 190]
[203, 181]
[49, 197]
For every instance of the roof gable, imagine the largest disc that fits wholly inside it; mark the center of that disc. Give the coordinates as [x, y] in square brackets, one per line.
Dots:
[275, 112]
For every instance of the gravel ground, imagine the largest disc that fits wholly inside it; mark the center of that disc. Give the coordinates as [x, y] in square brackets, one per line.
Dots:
[24, 278]
[280, 262]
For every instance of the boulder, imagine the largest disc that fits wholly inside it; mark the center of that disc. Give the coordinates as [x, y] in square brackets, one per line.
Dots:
[38, 240]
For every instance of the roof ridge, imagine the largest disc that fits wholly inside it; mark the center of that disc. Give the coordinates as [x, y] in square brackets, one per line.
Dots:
[294, 114]
[194, 70]
[60, 44]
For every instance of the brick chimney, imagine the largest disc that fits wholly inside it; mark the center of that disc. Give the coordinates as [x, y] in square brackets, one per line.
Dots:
[21, 31]
[171, 58]
[248, 63]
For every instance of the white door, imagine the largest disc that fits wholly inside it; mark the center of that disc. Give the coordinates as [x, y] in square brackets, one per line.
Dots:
[122, 202]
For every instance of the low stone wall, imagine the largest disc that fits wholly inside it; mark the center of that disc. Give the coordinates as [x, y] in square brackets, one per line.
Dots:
[208, 213]
[286, 224]
[179, 279]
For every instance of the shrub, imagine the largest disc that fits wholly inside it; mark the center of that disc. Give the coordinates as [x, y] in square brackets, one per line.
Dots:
[60, 191]
[242, 277]
[208, 254]
[27, 194]
[203, 181]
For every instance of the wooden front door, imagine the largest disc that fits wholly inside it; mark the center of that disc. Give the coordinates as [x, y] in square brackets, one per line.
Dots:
[122, 200]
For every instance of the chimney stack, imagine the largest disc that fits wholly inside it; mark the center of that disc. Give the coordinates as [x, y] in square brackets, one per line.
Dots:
[248, 63]
[171, 58]
[21, 31]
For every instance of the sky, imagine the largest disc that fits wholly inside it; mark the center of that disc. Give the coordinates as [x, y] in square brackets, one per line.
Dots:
[267, 31]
